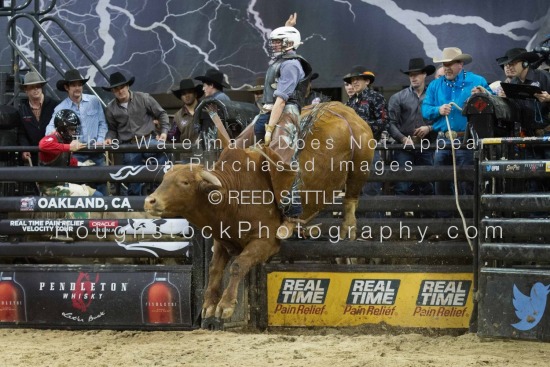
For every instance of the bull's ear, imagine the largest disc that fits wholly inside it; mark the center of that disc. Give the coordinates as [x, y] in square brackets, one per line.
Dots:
[209, 182]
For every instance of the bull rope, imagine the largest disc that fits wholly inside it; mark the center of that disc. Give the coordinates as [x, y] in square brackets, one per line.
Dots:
[305, 128]
[455, 180]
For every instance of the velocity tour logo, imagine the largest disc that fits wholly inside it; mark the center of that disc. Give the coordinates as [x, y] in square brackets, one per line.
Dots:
[529, 309]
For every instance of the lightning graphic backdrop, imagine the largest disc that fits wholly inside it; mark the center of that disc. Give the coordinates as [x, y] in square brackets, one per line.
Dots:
[161, 42]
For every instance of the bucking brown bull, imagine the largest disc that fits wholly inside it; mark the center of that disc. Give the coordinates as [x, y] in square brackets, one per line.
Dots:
[237, 200]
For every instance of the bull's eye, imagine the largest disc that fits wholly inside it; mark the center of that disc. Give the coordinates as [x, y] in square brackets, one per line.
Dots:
[185, 183]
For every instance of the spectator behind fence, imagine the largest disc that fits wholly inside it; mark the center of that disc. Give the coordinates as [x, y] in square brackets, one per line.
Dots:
[454, 87]
[182, 126]
[348, 87]
[89, 110]
[509, 72]
[516, 64]
[213, 84]
[371, 107]
[56, 150]
[130, 117]
[258, 91]
[535, 112]
[408, 127]
[36, 112]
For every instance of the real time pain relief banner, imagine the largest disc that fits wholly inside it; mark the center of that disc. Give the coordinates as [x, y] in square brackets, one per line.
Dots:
[434, 300]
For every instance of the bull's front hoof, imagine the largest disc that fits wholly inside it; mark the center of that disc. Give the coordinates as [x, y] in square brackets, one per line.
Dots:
[208, 311]
[225, 310]
[212, 324]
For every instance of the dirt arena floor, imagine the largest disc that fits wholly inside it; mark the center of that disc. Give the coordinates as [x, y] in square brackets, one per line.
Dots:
[277, 347]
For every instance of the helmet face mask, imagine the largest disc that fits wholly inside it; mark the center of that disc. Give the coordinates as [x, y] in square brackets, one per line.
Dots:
[283, 39]
[67, 124]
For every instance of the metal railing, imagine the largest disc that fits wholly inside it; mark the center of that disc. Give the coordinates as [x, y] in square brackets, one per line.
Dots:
[40, 52]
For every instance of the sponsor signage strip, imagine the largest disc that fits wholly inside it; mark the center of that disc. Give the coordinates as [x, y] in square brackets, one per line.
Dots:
[427, 300]
[514, 169]
[72, 203]
[83, 297]
[99, 227]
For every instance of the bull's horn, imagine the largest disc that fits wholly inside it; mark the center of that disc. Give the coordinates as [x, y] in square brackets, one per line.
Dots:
[211, 178]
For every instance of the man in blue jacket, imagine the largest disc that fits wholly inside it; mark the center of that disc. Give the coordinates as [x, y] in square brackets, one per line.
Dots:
[443, 104]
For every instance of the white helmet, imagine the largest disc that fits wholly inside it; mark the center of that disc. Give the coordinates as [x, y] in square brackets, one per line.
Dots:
[288, 35]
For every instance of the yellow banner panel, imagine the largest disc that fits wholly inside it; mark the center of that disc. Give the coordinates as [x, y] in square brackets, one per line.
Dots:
[430, 300]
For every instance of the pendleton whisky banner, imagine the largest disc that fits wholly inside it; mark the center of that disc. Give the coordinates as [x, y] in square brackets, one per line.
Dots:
[434, 300]
[85, 296]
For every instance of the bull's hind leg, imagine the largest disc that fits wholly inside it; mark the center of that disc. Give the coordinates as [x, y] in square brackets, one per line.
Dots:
[256, 252]
[354, 184]
[348, 228]
[213, 292]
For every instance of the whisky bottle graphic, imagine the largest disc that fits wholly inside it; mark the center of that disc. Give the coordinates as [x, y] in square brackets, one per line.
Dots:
[161, 301]
[12, 299]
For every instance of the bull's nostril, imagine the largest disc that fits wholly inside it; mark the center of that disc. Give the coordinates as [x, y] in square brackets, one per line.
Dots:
[151, 200]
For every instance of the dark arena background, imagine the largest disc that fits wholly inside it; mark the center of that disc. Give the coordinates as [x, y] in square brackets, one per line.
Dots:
[161, 43]
[97, 280]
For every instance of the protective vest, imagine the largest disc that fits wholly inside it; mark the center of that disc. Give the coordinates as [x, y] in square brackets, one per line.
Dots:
[272, 77]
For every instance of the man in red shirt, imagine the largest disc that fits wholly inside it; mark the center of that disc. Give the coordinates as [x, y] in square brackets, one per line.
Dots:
[56, 151]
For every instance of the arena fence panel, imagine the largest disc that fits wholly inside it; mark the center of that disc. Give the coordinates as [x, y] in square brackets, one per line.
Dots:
[394, 273]
[514, 274]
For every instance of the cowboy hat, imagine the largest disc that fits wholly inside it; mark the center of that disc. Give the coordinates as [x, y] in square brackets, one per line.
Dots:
[258, 86]
[359, 71]
[517, 54]
[453, 54]
[117, 79]
[71, 75]
[417, 65]
[213, 76]
[32, 78]
[188, 84]
[500, 61]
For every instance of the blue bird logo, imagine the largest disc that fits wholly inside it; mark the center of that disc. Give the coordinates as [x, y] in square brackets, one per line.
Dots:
[530, 309]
